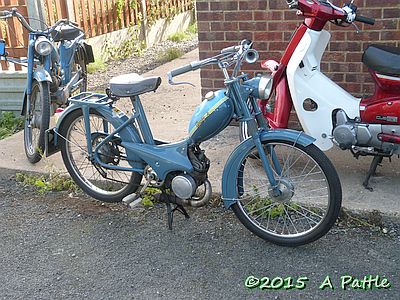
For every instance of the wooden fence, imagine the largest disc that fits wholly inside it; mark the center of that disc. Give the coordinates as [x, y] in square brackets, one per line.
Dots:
[12, 32]
[96, 17]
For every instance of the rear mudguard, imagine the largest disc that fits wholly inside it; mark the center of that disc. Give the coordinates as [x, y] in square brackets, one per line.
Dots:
[229, 176]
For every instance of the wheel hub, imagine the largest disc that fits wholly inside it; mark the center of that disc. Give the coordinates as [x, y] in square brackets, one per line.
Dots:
[286, 191]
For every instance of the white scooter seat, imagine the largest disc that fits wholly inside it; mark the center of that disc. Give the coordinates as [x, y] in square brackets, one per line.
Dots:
[133, 84]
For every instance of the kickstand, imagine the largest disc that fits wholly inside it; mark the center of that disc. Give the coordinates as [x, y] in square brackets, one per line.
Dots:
[171, 211]
[164, 197]
[372, 169]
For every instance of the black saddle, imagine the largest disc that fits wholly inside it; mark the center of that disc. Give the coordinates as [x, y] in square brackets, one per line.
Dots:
[383, 59]
[65, 33]
[129, 85]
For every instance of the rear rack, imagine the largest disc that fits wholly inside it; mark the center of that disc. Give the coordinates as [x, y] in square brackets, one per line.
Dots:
[90, 98]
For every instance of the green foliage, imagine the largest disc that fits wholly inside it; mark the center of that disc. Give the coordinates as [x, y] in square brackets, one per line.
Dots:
[130, 46]
[169, 54]
[9, 124]
[47, 183]
[148, 197]
[97, 66]
[192, 29]
[180, 36]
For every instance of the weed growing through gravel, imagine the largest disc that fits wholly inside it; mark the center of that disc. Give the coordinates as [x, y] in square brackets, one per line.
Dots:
[9, 124]
[98, 66]
[170, 54]
[45, 184]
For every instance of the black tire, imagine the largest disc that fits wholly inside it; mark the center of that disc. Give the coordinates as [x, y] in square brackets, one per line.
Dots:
[37, 121]
[302, 201]
[86, 175]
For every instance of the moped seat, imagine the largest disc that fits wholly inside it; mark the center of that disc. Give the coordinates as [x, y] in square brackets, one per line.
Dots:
[133, 84]
[65, 33]
[383, 59]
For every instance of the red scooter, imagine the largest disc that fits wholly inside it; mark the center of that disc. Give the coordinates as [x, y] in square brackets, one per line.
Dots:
[366, 127]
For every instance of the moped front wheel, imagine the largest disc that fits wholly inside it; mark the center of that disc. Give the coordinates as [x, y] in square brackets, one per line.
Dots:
[99, 182]
[37, 119]
[309, 198]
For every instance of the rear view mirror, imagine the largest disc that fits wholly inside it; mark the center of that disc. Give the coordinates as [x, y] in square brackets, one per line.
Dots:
[2, 47]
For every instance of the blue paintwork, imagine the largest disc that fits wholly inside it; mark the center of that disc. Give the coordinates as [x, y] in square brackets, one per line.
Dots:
[211, 117]
[40, 75]
[229, 176]
[163, 158]
[66, 59]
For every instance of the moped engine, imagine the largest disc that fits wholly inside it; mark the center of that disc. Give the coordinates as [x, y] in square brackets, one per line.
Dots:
[185, 185]
[364, 137]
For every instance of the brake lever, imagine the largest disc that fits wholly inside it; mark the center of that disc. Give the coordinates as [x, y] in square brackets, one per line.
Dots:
[357, 28]
[171, 82]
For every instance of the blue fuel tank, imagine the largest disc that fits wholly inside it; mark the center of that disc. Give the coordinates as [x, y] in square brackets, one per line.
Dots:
[211, 116]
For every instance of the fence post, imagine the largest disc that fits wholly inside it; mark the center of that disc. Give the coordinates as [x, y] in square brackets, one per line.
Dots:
[143, 25]
[70, 10]
[37, 14]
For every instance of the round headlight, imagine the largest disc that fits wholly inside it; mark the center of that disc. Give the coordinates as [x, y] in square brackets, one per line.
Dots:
[43, 46]
[265, 86]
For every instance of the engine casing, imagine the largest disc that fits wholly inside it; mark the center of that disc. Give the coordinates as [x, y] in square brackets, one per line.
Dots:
[349, 133]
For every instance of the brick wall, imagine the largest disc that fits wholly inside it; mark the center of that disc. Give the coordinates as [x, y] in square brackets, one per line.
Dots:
[270, 25]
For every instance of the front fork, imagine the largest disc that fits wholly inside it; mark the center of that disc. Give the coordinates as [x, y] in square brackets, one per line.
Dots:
[255, 126]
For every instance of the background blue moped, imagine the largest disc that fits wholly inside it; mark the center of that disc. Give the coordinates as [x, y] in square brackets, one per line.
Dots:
[56, 68]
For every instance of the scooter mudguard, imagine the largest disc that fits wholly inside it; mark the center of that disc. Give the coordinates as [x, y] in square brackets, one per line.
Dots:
[232, 166]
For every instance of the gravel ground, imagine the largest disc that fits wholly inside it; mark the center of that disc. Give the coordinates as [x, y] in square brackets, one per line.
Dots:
[55, 246]
[149, 60]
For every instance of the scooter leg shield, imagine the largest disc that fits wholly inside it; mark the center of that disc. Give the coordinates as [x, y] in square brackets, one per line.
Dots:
[232, 167]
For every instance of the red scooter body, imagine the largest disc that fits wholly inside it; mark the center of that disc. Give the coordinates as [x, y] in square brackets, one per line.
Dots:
[376, 132]
[384, 106]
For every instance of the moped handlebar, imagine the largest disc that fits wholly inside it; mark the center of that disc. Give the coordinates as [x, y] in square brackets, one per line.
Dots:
[14, 13]
[230, 49]
[366, 20]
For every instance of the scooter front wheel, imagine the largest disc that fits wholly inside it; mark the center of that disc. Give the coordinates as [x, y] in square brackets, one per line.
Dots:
[309, 198]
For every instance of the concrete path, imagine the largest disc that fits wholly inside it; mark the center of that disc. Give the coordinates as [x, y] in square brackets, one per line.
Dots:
[169, 111]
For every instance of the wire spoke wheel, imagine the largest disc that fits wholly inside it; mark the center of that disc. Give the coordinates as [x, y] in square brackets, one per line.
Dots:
[304, 205]
[37, 119]
[98, 181]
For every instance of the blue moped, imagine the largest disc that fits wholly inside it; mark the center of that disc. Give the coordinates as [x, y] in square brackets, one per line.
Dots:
[277, 182]
[56, 68]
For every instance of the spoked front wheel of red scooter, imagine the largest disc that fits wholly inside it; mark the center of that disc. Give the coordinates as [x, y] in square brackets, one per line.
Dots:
[309, 200]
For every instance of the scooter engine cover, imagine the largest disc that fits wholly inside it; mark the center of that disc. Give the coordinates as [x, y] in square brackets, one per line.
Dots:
[211, 116]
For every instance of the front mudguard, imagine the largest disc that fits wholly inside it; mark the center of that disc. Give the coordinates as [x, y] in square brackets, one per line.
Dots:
[40, 75]
[232, 167]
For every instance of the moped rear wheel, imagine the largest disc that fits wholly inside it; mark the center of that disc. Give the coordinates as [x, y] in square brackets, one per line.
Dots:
[37, 119]
[99, 182]
[309, 200]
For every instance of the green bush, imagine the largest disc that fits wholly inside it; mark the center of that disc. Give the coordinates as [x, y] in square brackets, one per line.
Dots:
[9, 124]
[170, 54]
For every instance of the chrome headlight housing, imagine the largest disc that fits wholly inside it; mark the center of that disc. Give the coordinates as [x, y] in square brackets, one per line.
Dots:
[265, 86]
[43, 46]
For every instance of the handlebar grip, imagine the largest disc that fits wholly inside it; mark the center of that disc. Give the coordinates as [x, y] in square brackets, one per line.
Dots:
[365, 20]
[181, 70]
[230, 49]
